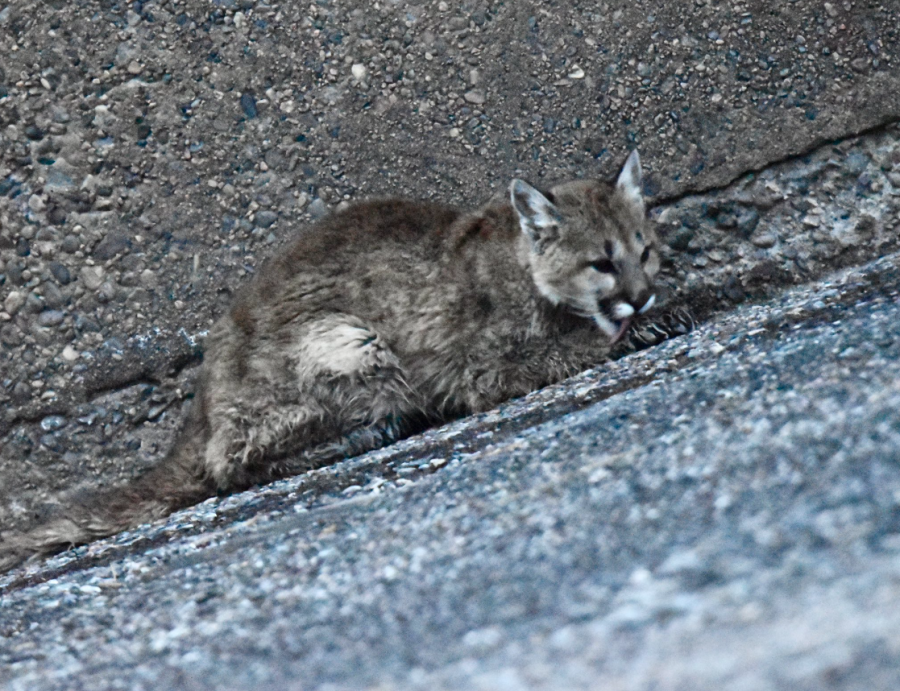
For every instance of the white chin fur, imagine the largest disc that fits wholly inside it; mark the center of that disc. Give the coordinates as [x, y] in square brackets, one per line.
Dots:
[623, 310]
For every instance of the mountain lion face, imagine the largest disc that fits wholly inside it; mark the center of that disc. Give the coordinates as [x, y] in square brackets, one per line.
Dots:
[591, 248]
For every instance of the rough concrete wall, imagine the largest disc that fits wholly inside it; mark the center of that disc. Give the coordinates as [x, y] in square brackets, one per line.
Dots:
[151, 154]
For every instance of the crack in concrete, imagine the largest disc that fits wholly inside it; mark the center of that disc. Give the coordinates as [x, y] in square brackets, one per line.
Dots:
[814, 146]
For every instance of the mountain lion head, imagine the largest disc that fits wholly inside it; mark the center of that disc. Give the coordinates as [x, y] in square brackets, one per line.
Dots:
[591, 248]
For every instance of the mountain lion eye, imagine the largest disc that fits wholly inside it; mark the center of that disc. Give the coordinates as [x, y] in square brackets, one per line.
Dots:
[604, 266]
[645, 255]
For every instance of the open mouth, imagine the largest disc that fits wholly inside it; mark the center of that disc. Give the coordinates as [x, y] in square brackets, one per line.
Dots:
[612, 327]
[614, 319]
[614, 316]
[621, 327]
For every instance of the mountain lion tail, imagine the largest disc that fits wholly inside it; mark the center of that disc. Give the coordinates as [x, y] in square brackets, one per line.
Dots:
[174, 484]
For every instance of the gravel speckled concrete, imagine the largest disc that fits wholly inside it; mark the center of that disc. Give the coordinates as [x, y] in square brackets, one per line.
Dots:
[152, 153]
[732, 522]
[720, 511]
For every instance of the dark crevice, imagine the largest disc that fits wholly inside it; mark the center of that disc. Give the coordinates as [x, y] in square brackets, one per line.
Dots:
[71, 399]
[816, 144]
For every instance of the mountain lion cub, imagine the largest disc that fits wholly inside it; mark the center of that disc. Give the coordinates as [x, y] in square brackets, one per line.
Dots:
[384, 318]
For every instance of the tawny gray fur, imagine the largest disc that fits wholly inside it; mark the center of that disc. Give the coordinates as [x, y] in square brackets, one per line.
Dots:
[384, 318]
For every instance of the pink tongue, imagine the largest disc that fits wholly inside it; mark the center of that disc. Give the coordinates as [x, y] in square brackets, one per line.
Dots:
[622, 329]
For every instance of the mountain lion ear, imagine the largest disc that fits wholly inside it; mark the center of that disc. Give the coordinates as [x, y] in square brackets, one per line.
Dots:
[629, 182]
[538, 216]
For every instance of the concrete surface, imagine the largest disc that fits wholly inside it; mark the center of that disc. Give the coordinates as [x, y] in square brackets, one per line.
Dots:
[720, 510]
[730, 522]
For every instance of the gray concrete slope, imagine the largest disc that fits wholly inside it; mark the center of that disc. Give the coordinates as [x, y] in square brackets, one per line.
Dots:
[152, 154]
[731, 522]
[721, 511]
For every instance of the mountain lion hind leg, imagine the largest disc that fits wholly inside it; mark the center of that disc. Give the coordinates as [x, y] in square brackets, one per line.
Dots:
[318, 391]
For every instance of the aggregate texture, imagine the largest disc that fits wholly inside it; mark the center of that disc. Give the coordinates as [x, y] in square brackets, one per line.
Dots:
[153, 153]
[790, 223]
[730, 520]
[721, 510]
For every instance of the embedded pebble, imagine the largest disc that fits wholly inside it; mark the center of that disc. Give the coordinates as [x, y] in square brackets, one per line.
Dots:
[53, 295]
[475, 96]
[112, 244]
[265, 218]
[51, 318]
[10, 335]
[92, 276]
[248, 105]
[317, 208]
[52, 423]
[60, 272]
[16, 273]
[764, 240]
[148, 278]
[70, 244]
[36, 204]
[14, 301]
[106, 291]
[34, 303]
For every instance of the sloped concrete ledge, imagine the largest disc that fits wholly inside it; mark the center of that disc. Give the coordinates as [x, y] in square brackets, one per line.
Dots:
[702, 527]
